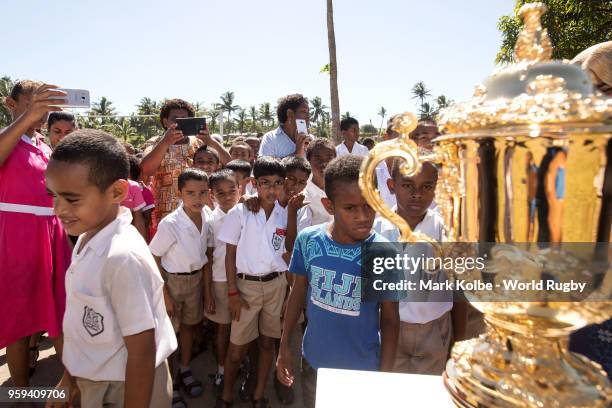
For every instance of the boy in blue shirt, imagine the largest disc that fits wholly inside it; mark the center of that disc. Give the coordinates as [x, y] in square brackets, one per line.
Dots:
[343, 331]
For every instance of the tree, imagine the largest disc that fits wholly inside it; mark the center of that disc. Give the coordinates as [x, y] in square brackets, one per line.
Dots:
[122, 129]
[427, 111]
[241, 120]
[227, 105]
[382, 113]
[214, 115]
[318, 109]
[443, 102]
[369, 129]
[6, 84]
[265, 114]
[147, 106]
[333, 72]
[420, 92]
[346, 115]
[104, 107]
[199, 108]
[572, 25]
[254, 116]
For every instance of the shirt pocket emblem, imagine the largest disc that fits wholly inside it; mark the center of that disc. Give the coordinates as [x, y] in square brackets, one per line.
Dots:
[277, 238]
[93, 321]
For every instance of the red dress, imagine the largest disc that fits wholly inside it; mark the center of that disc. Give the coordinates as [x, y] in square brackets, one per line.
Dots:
[34, 250]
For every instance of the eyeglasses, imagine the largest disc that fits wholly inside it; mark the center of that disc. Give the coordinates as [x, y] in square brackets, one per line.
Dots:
[268, 185]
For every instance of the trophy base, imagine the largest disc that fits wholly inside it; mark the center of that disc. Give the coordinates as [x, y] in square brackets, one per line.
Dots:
[506, 369]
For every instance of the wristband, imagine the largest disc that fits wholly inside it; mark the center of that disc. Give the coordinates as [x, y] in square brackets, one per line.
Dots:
[236, 293]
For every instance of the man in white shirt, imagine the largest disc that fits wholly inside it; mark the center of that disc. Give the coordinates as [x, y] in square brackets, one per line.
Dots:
[285, 140]
[426, 328]
[319, 153]
[349, 127]
[255, 243]
[182, 246]
[117, 335]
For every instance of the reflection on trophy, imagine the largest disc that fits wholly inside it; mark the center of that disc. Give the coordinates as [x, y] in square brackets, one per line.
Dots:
[525, 166]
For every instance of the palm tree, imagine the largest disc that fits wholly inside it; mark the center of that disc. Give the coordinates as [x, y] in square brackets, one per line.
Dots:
[122, 129]
[227, 105]
[254, 116]
[6, 84]
[333, 72]
[214, 114]
[346, 115]
[427, 111]
[420, 91]
[318, 109]
[382, 113]
[104, 107]
[147, 106]
[443, 102]
[265, 114]
[199, 108]
[241, 121]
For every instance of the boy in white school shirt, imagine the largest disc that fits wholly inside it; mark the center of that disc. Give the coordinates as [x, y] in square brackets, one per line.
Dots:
[117, 335]
[182, 246]
[427, 329]
[255, 277]
[349, 127]
[319, 153]
[225, 190]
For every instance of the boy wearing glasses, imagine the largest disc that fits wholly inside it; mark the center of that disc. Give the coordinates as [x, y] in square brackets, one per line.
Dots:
[255, 243]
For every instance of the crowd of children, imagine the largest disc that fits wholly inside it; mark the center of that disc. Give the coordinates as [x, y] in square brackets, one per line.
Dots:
[244, 238]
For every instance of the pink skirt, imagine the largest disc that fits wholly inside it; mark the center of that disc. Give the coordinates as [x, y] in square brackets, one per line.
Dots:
[34, 256]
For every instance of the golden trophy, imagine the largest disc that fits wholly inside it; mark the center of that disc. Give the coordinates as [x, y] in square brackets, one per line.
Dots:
[527, 160]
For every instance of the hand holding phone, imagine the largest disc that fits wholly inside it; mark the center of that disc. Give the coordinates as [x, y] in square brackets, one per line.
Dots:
[191, 126]
[301, 126]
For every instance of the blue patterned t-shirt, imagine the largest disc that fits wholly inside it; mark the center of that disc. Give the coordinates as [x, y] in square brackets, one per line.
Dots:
[342, 330]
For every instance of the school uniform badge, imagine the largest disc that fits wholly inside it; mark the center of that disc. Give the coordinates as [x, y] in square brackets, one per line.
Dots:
[277, 238]
[93, 321]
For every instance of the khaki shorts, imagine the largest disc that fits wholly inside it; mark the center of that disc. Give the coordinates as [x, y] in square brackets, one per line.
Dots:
[423, 348]
[186, 291]
[263, 316]
[95, 394]
[222, 313]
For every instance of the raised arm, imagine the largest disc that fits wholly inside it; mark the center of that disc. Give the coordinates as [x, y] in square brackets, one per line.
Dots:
[151, 162]
[42, 99]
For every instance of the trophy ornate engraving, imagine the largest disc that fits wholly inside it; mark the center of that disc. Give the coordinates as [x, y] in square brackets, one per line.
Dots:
[526, 165]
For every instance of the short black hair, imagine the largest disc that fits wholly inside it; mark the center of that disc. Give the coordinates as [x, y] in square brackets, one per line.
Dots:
[240, 166]
[289, 102]
[347, 122]
[220, 175]
[397, 163]
[134, 167]
[57, 116]
[170, 104]
[368, 141]
[191, 174]
[268, 166]
[210, 150]
[102, 153]
[296, 163]
[319, 143]
[344, 169]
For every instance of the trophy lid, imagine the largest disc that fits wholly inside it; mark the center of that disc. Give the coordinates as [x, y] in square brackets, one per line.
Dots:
[534, 90]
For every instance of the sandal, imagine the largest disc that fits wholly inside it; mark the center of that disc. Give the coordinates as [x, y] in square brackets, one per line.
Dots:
[177, 400]
[192, 387]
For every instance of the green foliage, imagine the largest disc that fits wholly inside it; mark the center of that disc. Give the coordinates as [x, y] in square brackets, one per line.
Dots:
[369, 129]
[6, 84]
[572, 25]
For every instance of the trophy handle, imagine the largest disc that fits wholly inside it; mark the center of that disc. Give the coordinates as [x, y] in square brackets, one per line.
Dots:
[404, 148]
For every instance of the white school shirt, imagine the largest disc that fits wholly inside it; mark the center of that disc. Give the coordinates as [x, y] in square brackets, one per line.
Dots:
[358, 150]
[218, 267]
[113, 290]
[276, 143]
[313, 213]
[179, 243]
[260, 242]
[419, 312]
[382, 175]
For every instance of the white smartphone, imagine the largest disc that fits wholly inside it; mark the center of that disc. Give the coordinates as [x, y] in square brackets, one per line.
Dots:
[75, 98]
[301, 126]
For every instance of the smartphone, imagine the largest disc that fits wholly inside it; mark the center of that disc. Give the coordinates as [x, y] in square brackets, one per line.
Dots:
[301, 126]
[191, 126]
[75, 98]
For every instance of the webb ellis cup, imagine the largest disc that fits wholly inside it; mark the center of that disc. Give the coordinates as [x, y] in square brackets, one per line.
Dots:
[525, 172]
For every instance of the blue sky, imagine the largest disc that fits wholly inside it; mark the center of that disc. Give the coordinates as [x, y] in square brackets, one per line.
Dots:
[261, 50]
